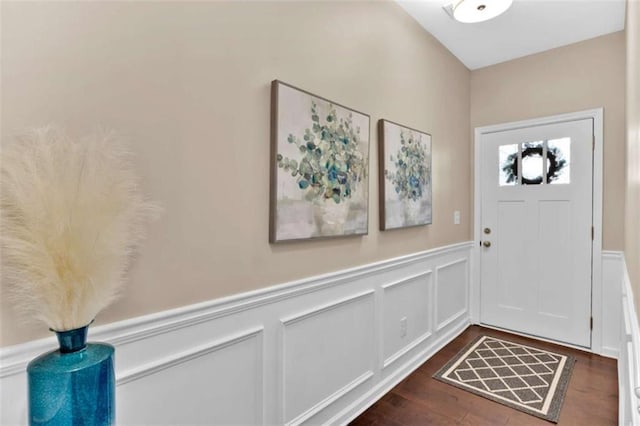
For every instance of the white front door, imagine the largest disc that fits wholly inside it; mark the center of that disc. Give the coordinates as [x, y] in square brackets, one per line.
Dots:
[536, 215]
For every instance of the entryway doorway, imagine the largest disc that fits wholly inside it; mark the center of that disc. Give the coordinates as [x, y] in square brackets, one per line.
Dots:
[537, 228]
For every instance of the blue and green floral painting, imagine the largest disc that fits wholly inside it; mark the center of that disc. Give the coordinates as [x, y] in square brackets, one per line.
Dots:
[322, 158]
[407, 176]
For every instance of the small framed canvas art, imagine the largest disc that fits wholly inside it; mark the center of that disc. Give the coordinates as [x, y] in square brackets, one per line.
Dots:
[404, 176]
[319, 167]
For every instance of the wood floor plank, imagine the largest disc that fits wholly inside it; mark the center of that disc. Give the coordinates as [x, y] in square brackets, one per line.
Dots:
[591, 399]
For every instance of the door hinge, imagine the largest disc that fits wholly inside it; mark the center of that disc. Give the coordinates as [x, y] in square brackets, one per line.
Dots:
[593, 233]
[591, 323]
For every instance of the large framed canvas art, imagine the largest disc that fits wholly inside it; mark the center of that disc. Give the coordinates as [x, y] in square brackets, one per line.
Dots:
[319, 167]
[404, 176]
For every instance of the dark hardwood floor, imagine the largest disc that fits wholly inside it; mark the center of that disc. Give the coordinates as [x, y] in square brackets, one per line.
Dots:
[591, 399]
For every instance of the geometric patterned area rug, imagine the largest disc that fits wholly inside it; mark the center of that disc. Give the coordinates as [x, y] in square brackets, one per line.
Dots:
[528, 379]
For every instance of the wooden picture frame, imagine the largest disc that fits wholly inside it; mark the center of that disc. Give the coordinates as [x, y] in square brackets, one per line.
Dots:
[319, 167]
[405, 176]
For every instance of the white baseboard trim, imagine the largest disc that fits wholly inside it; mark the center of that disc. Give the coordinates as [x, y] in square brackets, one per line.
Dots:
[359, 406]
[323, 404]
[610, 352]
[393, 358]
[245, 359]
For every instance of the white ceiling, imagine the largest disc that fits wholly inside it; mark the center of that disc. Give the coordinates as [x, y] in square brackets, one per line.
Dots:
[529, 26]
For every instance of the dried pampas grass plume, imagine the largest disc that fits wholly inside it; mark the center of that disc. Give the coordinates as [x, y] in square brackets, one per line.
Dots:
[71, 216]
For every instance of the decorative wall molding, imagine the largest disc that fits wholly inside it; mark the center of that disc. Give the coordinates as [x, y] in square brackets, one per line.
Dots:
[608, 310]
[629, 359]
[233, 349]
[406, 281]
[396, 356]
[453, 318]
[150, 348]
[14, 359]
[318, 316]
[464, 306]
[612, 255]
[332, 398]
[324, 308]
[172, 361]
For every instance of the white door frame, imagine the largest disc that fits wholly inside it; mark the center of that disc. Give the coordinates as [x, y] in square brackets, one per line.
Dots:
[596, 265]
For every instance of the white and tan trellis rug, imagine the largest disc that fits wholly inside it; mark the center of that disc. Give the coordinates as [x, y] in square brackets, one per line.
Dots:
[528, 379]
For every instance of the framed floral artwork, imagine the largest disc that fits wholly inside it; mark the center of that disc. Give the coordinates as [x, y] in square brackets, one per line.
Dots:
[319, 167]
[405, 176]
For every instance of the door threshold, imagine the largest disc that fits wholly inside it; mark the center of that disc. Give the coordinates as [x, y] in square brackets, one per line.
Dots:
[542, 339]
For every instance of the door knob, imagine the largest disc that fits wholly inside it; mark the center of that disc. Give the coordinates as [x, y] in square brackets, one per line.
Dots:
[486, 243]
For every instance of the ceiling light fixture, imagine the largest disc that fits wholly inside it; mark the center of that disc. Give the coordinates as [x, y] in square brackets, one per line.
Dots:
[470, 11]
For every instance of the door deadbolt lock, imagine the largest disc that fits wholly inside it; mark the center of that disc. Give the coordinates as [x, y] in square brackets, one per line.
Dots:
[486, 243]
[487, 230]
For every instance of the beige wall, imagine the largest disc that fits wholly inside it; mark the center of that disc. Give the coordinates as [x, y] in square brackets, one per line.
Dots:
[580, 76]
[632, 222]
[189, 83]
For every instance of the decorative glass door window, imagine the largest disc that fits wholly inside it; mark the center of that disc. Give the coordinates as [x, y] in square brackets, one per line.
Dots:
[532, 163]
[560, 149]
[535, 163]
[507, 153]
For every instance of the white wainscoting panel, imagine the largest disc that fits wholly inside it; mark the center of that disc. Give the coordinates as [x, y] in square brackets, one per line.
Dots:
[610, 312]
[13, 399]
[629, 358]
[407, 301]
[452, 292]
[218, 383]
[336, 340]
[315, 351]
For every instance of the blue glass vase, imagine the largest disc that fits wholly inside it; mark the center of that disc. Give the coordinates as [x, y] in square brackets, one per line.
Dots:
[73, 385]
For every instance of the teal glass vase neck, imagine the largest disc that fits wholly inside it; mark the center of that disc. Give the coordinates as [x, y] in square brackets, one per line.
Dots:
[72, 340]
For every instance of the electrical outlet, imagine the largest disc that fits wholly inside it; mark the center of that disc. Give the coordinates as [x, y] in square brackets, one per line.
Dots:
[403, 326]
[456, 217]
